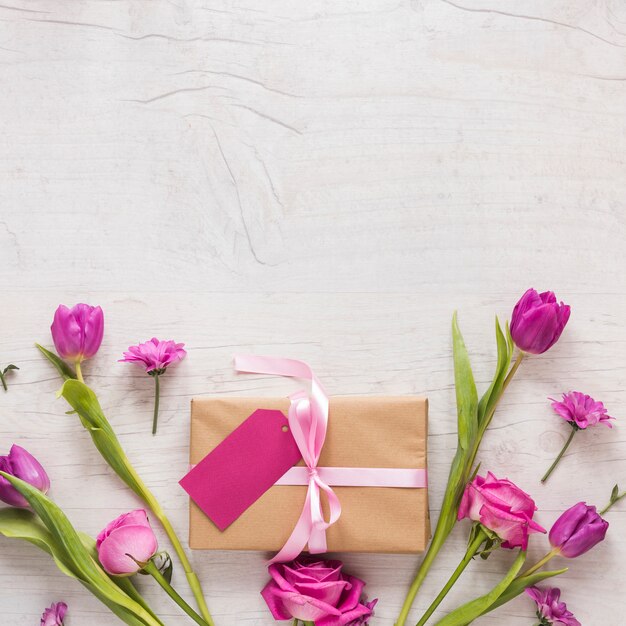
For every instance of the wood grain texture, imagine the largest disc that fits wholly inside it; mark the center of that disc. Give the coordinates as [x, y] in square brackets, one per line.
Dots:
[321, 180]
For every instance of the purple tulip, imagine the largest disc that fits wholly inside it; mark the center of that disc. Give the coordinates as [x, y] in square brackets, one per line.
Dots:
[577, 530]
[54, 614]
[23, 465]
[125, 543]
[538, 321]
[77, 332]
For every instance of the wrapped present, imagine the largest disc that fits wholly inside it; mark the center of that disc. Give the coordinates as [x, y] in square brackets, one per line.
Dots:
[365, 492]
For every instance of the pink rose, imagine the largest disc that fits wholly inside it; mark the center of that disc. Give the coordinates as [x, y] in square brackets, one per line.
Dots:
[316, 591]
[125, 542]
[502, 507]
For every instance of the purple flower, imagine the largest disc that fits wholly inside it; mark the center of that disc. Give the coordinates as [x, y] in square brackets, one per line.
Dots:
[315, 590]
[581, 410]
[577, 530]
[23, 465]
[550, 610]
[77, 332]
[538, 321]
[155, 355]
[54, 614]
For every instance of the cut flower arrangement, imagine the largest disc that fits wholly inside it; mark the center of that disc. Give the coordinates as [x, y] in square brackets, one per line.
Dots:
[307, 589]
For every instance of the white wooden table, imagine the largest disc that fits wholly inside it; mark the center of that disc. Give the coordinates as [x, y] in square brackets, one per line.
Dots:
[321, 180]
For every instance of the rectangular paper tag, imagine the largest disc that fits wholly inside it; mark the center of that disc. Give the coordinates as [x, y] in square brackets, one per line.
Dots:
[242, 467]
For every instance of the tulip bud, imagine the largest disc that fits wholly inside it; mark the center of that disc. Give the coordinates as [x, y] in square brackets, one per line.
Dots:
[23, 465]
[538, 321]
[77, 332]
[577, 530]
[126, 543]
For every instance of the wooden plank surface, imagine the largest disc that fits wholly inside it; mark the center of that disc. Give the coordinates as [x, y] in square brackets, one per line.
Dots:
[326, 181]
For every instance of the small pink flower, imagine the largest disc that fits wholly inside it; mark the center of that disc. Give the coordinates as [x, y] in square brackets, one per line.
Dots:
[129, 534]
[315, 590]
[550, 610]
[581, 410]
[155, 355]
[23, 465]
[77, 332]
[54, 614]
[500, 506]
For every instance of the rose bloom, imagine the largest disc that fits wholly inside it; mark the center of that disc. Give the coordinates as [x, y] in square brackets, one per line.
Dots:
[537, 321]
[581, 410]
[502, 507]
[550, 608]
[129, 534]
[54, 614]
[316, 591]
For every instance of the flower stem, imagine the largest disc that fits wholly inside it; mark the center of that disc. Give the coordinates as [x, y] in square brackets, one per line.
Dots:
[612, 502]
[539, 564]
[157, 393]
[472, 549]
[4, 382]
[152, 569]
[79, 372]
[558, 458]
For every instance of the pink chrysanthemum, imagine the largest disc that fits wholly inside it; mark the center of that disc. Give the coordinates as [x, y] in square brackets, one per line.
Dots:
[581, 410]
[155, 354]
[550, 610]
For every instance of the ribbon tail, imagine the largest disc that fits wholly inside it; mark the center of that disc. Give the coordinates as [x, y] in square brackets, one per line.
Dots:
[299, 536]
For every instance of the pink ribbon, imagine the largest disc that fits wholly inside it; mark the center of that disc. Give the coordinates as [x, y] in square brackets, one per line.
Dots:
[308, 420]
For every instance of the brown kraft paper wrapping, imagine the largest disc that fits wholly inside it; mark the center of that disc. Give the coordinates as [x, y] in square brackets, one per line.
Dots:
[362, 432]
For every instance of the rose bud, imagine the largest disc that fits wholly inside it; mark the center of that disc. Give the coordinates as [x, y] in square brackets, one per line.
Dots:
[577, 530]
[317, 591]
[500, 506]
[54, 614]
[126, 543]
[538, 321]
[23, 465]
[77, 332]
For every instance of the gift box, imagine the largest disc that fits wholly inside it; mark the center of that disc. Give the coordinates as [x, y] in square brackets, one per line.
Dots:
[362, 432]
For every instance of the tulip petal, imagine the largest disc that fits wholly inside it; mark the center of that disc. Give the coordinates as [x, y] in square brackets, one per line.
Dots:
[137, 541]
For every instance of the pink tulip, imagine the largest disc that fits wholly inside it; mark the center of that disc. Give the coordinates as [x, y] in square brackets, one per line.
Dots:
[502, 507]
[318, 591]
[54, 614]
[578, 530]
[126, 543]
[538, 321]
[77, 332]
[23, 465]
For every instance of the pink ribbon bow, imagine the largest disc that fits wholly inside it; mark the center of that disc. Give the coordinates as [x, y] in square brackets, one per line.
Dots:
[308, 420]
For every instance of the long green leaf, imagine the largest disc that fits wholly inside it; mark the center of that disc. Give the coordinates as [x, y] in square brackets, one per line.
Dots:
[62, 367]
[82, 563]
[466, 395]
[490, 397]
[469, 612]
[23, 524]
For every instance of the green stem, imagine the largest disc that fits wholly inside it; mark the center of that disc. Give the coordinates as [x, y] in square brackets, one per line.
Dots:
[79, 372]
[612, 502]
[558, 458]
[156, 404]
[539, 564]
[152, 569]
[4, 382]
[472, 549]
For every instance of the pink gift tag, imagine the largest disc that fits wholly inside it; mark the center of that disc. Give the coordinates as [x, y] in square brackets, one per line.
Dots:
[243, 467]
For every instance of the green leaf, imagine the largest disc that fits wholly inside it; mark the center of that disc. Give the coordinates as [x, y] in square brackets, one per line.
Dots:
[466, 396]
[468, 612]
[80, 561]
[10, 367]
[614, 493]
[490, 398]
[62, 367]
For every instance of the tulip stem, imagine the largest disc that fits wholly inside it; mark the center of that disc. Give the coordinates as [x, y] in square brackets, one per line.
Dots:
[152, 569]
[4, 382]
[79, 372]
[539, 564]
[472, 550]
[558, 458]
[157, 393]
